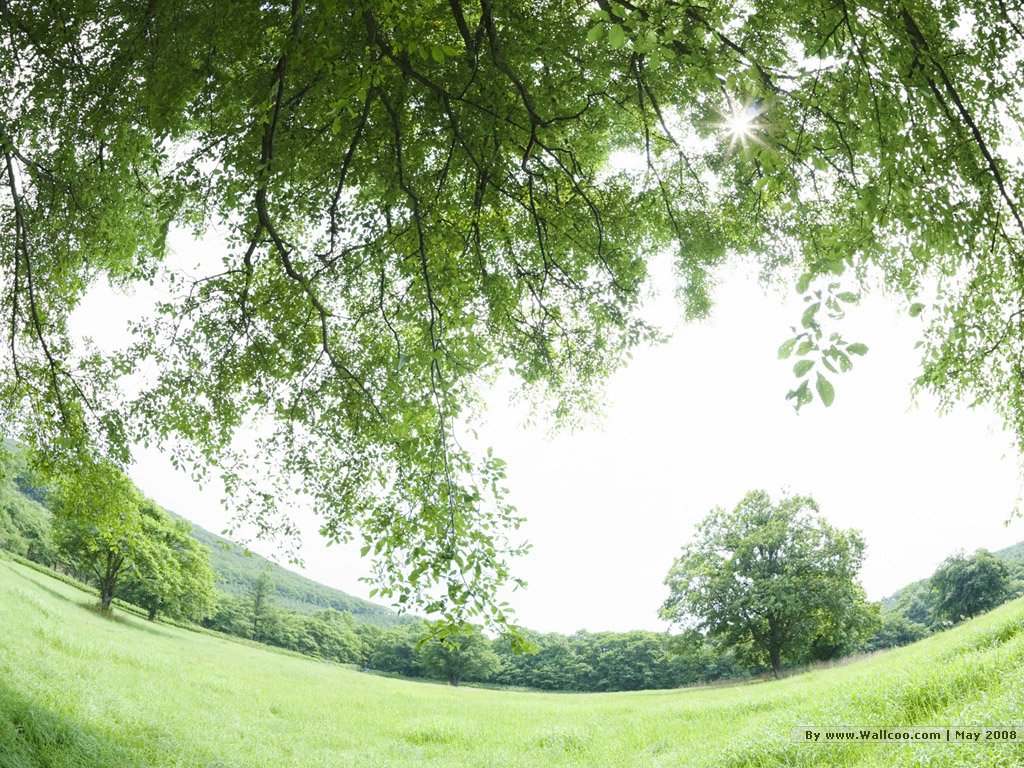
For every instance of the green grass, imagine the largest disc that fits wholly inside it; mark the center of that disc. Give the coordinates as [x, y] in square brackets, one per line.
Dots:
[81, 690]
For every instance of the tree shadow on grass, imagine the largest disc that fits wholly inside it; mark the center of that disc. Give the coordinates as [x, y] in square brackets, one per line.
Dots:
[32, 736]
[39, 579]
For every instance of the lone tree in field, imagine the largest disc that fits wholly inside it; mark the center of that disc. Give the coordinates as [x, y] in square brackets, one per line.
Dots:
[417, 197]
[771, 580]
[966, 586]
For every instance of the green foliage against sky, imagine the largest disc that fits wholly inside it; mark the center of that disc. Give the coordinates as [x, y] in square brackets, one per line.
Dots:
[418, 197]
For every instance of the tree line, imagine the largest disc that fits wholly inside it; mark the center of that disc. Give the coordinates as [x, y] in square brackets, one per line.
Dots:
[584, 661]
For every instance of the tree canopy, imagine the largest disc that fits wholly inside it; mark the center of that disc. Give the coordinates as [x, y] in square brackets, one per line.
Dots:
[774, 581]
[966, 586]
[171, 573]
[416, 198]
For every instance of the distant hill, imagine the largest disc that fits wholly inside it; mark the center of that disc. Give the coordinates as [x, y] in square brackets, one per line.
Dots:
[236, 569]
[25, 525]
[1011, 554]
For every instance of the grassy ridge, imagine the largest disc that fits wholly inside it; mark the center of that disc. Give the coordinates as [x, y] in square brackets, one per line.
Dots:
[79, 689]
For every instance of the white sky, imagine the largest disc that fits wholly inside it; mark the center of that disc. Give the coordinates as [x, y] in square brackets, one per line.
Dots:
[696, 423]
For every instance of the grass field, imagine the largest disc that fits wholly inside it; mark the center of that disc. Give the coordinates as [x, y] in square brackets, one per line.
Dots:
[80, 690]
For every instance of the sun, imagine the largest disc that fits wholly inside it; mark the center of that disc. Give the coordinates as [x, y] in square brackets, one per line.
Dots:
[742, 124]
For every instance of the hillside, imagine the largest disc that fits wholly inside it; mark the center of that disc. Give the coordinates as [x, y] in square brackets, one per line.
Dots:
[236, 569]
[78, 689]
[25, 522]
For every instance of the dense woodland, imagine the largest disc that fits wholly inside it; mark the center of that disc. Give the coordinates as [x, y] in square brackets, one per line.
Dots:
[258, 600]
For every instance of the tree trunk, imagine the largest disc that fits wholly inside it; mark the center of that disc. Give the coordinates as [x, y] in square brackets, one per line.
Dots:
[106, 594]
[109, 580]
[152, 613]
[774, 646]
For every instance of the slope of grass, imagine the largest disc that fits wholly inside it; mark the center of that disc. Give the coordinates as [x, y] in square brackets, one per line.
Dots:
[81, 690]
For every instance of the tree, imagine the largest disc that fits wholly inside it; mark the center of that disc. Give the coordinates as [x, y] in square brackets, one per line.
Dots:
[896, 630]
[171, 572]
[233, 615]
[394, 650]
[97, 527]
[335, 636]
[417, 197]
[967, 586]
[261, 601]
[462, 655]
[773, 581]
[917, 602]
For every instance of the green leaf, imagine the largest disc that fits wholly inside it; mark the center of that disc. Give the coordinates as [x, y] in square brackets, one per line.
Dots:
[825, 390]
[616, 36]
[801, 394]
[808, 319]
[787, 349]
[802, 367]
[916, 309]
[804, 282]
[857, 349]
[849, 297]
[595, 33]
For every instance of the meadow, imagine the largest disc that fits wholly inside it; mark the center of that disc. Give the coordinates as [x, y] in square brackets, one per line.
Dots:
[82, 690]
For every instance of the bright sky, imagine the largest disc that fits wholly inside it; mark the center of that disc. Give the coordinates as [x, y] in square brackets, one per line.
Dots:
[696, 423]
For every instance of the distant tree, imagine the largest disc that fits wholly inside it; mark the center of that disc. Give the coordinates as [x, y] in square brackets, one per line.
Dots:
[261, 596]
[696, 658]
[895, 630]
[25, 526]
[394, 650]
[233, 616]
[334, 635]
[768, 579]
[917, 602]
[463, 655]
[1015, 587]
[966, 586]
[171, 572]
